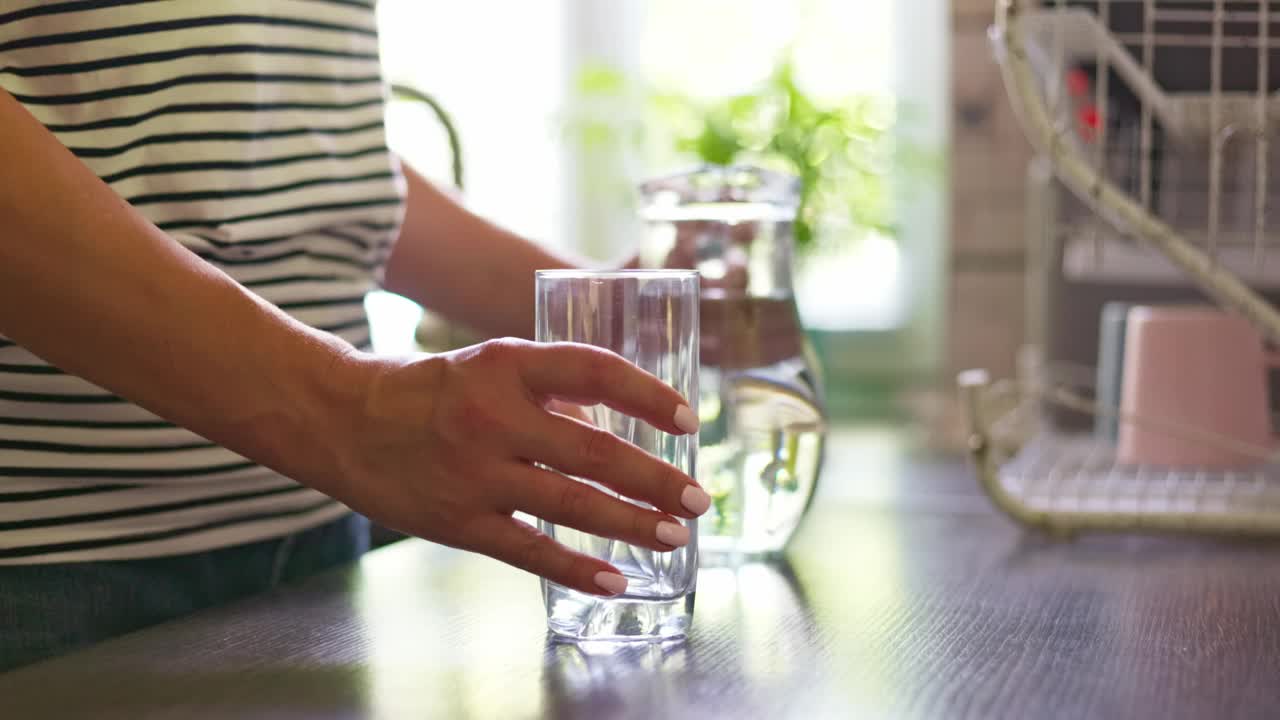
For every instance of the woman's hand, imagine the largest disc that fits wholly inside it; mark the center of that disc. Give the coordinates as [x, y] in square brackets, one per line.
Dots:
[444, 448]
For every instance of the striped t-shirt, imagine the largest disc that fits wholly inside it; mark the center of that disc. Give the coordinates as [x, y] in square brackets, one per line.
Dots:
[251, 131]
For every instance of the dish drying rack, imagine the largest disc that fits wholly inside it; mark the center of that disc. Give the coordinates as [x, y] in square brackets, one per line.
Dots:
[1182, 173]
[1065, 483]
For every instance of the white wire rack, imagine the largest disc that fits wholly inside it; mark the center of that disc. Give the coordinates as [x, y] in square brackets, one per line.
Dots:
[1065, 483]
[1158, 115]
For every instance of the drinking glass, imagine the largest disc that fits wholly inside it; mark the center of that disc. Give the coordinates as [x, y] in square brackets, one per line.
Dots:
[650, 318]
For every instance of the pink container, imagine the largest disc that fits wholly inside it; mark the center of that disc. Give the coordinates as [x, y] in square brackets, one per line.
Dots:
[1198, 367]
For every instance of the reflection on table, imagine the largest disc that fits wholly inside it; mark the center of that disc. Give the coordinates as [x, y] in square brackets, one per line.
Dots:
[923, 603]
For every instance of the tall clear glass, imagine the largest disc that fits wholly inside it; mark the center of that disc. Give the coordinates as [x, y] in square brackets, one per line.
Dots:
[649, 317]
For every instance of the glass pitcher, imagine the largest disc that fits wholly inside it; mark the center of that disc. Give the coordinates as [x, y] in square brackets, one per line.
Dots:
[760, 401]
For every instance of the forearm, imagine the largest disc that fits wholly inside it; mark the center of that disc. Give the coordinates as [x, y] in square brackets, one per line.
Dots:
[92, 287]
[464, 267]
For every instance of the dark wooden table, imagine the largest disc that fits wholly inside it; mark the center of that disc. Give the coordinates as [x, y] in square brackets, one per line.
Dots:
[914, 600]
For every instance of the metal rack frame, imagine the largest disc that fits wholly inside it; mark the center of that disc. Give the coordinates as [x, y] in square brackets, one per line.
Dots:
[1067, 483]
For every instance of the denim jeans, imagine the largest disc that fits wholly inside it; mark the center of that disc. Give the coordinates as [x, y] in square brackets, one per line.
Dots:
[48, 610]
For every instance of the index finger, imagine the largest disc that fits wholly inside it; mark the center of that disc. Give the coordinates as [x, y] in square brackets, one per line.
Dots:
[588, 375]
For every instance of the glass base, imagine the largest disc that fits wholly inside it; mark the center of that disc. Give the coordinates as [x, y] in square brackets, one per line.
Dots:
[578, 616]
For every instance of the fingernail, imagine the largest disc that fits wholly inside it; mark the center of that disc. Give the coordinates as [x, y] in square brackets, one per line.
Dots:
[673, 534]
[686, 420]
[612, 583]
[695, 500]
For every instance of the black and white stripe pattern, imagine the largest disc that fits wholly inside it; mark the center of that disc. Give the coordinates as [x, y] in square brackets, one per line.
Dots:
[252, 132]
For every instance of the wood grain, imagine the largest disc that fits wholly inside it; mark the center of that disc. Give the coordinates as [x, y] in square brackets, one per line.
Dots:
[896, 609]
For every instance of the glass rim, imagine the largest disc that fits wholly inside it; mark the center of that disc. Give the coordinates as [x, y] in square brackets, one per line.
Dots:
[569, 274]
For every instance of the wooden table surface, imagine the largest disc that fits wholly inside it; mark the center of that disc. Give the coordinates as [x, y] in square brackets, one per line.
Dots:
[915, 602]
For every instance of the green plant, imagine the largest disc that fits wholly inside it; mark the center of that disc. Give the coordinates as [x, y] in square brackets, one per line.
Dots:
[841, 151]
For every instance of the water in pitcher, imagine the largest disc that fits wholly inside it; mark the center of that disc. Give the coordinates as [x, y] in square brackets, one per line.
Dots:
[761, 442]
[760, 400]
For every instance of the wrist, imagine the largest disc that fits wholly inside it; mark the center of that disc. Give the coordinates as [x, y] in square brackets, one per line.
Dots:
[357, 403]
[335, 390]
[314, 405]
